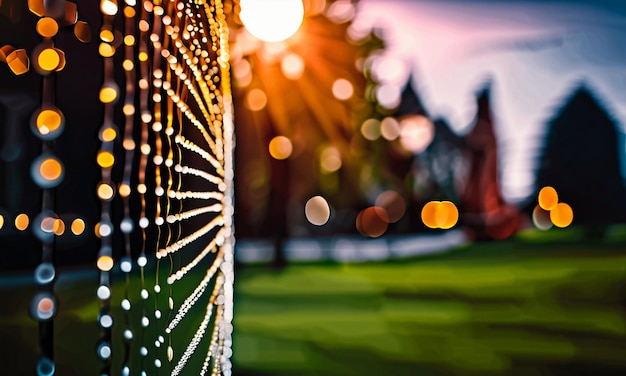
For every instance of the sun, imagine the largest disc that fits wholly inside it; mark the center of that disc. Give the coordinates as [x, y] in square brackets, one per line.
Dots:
[272, 20]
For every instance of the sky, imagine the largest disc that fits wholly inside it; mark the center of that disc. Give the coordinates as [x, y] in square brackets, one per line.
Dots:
[534, 52]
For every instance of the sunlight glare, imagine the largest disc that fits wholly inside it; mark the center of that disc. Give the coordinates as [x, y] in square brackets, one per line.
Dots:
[272, 20]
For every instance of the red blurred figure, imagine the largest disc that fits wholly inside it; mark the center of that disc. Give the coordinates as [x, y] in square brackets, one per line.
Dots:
[484, 212]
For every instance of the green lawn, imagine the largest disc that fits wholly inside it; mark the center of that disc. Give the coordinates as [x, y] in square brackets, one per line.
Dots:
[533, 305]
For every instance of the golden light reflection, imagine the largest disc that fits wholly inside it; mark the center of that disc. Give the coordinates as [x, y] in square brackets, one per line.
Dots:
[1, 221]
[108, 134]
[256, 100]
[106, 50]
[280, 147]
[105, 159]
[548, 198]
[108, 94]
[124, 190]
[107, 35]
[50, 169]
[447, 215]
[21, 222]
[440, 214]
[18, 62]
[105, 263]
[105, 191]
[78, 226]
[562, 215]
[58, 227]
[47, 27]
[317, 210]
[48, 121]
[49, 59]
[272, 20]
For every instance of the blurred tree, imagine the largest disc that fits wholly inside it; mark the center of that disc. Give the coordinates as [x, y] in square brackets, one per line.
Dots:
[581, 161]
[309, 89]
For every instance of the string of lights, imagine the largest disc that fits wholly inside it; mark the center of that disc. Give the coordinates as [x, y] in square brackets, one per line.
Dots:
[145, 149]
[108, 95]
[124, 190]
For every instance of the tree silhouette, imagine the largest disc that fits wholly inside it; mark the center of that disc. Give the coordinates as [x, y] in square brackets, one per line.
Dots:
[581, 160]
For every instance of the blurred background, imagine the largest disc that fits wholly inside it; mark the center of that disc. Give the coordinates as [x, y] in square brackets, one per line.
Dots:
[346, 128]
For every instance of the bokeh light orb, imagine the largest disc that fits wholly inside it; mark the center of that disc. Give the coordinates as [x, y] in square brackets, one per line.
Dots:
[292, 66]
[548, 198]
[372, 221]
[22, 221]
[562, 215]
[49, 59]
[44, 225]
[541, 218]
[103, 292]
[105, 159]
[440, 214]
[342, 89]
[105, 263]
[44, 273]
[447, 215]
[429, 214]
[78, 226]
[45, 367]
[108, 134]
[105, 191]
[280, 147]
[272, 20]
[47, 27]
[109, 92]
[104, 350]
[390, 128]
[43, 306]
[317, 210]
[416, 133]
[370, 129]
[48, 123]
[256, 100]
[393, 203]
[47, 171]
[330, 159]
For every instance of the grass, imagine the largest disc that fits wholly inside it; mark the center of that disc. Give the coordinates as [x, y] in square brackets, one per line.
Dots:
[522, 306]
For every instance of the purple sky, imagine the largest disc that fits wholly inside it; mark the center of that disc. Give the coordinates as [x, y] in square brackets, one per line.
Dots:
[535, 52]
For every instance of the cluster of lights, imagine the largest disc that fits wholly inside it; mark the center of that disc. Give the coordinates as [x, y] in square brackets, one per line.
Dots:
[48, 224]
[182, 66]
[376, 96]
[47, 171]
[440, 214]
[181, 58]
[550, 211]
